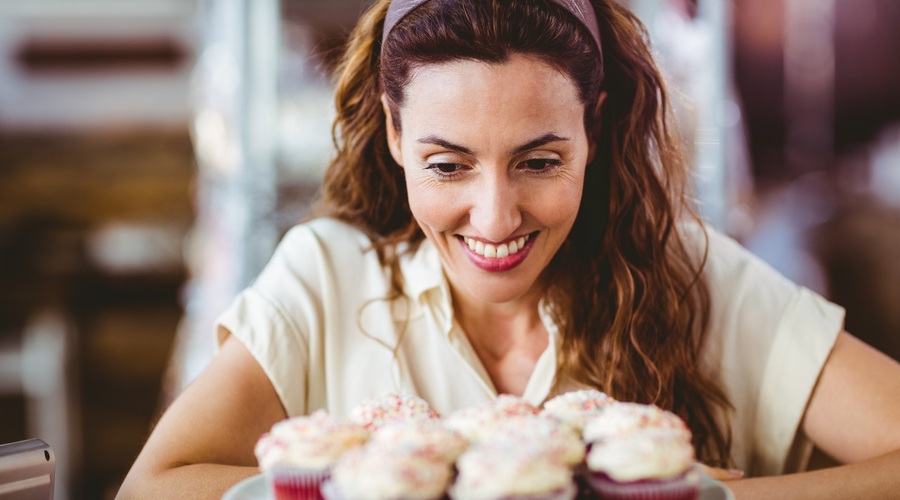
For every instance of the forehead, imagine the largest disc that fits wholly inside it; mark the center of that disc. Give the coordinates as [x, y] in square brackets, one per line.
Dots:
[524, 93]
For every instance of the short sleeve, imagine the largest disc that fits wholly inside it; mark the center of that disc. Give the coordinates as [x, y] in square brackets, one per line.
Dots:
[276, 316]
[803, 341]
[767, 342]
[278, 347]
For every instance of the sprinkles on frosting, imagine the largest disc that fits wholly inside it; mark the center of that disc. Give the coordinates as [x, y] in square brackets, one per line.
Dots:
[377, 411]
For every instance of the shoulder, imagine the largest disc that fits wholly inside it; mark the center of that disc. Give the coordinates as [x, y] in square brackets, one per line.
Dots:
[748, 299]
[315, 256]
[703, 241]
[323, 241]
[726, 264]
[327, 232]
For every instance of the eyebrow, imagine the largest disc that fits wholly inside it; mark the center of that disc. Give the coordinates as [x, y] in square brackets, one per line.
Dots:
[540, 141]
[535, 143]
[433, 139]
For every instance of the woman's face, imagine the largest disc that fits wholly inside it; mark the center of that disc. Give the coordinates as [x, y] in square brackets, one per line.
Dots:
[494, 157]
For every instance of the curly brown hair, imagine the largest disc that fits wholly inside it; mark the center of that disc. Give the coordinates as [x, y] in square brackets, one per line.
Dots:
[627, 296]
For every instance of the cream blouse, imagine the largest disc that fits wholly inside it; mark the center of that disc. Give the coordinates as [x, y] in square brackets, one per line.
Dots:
[317, 321]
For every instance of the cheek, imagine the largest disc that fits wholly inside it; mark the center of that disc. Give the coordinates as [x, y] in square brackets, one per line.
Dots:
[434, 207]
[556, 205]
[572, 199]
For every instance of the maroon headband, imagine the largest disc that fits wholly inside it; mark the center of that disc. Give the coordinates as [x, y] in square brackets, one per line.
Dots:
[581, 9]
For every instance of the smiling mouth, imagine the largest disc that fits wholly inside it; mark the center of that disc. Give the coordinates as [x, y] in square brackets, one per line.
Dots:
[498, 251]
[497, 256]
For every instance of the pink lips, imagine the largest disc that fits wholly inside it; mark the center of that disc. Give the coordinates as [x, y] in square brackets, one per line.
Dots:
[501, 264]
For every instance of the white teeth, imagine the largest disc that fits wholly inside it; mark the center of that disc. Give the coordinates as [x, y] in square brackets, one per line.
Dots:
[492, 251]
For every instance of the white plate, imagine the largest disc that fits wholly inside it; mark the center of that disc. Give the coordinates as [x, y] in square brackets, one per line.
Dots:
[256, 488]
[710, 489]
[252, 488]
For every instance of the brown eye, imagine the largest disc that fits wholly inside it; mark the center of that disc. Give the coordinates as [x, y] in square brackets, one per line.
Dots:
[539, 165]
[445, 168]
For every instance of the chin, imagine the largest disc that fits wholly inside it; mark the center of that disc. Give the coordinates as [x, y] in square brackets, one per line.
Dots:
[498, 293]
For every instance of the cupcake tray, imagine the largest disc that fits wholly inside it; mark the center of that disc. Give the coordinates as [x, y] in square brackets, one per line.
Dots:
[256, 488]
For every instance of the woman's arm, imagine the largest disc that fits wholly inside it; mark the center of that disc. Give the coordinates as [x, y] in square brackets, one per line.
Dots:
[854, 417]
[204, 442]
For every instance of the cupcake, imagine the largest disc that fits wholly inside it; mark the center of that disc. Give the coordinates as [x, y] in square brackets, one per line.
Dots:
[619, 419]
[297, 454]
[577, 407]
[427, 438]
[557, 440]
[655, 464]
[377, 411]
[503, 470]
[477, 422]
[375, 472]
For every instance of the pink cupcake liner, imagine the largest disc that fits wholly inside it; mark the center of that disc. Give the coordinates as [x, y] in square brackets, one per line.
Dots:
[684, 487]
[297, 484]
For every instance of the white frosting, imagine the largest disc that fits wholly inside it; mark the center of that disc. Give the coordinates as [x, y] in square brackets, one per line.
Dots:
[652, 454]
[479, 422]
[558, 440]
[426, 438]
[494, 471]
[373, 473]
[380, 410]
[620, 419]
[311, 442]
[577, 407]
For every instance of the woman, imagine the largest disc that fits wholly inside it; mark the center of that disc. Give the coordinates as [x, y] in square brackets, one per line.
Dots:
[506, 214]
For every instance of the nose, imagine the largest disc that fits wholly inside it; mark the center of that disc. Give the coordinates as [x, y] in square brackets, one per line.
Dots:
[495, 210]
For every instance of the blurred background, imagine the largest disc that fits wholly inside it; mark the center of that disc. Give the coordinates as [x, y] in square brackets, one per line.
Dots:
[152, 153]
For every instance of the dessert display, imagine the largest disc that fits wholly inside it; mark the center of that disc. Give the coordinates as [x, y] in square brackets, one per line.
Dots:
[297, 454]
[394, 447]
